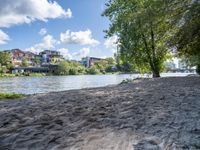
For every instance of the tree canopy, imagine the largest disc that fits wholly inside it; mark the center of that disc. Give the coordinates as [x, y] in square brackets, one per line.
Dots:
[187, 38]
[143, 29]
[5, 62]
[70, 68]
[25, 62]
[146, 28]
[5, 59]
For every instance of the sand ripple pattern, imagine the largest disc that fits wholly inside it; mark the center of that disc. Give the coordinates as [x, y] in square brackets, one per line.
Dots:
[148, 114]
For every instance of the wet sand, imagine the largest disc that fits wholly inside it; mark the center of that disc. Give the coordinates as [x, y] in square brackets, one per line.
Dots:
[148, 114]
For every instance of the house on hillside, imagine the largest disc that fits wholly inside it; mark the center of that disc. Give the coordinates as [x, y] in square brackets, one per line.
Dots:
[18, 55]
[50, 57]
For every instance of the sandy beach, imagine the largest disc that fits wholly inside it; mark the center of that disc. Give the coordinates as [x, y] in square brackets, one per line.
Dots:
[148, 114]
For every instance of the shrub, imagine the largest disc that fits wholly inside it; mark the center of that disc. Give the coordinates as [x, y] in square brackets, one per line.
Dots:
[93, 70]
[10, 96]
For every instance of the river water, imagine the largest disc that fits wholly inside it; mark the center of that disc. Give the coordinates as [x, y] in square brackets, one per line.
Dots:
[45, 84]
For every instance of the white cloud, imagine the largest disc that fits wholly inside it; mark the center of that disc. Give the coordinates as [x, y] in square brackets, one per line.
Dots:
[111, 43]
[13, 12]
[80, 37]
[43, 31]
[3, 37]
[77, 55]
[48, 42]
[82, 53]
[65, 53]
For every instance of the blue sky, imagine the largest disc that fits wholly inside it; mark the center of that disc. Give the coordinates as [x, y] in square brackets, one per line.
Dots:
[74, 27]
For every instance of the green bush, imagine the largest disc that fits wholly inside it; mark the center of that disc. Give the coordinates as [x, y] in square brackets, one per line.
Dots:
[7, 75]
[10, 96]
[37, 74]
[69, 68]
[93, 71]
[73, 71]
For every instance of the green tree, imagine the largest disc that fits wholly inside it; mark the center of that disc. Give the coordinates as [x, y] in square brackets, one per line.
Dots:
[105, 65]
[24, 62]
[37, 60]
[5, 59]
[187, 38]
[93, 70]
[63, 68]
[5, 62]
[110, 61]
[101, 65]
[143, 28]
[1, 69]
[70, 68]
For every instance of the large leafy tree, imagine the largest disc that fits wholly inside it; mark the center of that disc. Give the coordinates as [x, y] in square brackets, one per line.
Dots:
[143, 27]
[25, 62]
[187, 38]
[105, 65]
[69, 68]
[5, 62]
[5, 59]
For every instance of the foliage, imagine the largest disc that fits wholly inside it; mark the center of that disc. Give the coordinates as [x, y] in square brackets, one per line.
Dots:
[3, 69]
[110, 61]
[187, 38]
[37, 60]
[143, 28]
[93, 70]
[5, 59]
[103, 66]
[7, 75]
[70, 68]
[22, 74]
[10, 96]
[100, 65]
[24, 62]
[31, 74]
[122, 65]
[5, 62]
[75, 68]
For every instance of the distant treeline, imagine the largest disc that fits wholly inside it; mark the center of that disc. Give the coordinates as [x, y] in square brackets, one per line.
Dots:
[66, 67]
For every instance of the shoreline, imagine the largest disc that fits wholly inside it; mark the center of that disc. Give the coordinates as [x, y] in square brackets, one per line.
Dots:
[110, 73]
[46, 74]
[159, 113]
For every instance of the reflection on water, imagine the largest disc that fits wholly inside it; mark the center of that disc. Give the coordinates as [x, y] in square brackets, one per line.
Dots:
[31, 85]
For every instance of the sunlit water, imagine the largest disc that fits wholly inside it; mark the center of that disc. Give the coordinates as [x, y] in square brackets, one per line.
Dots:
[31, 85]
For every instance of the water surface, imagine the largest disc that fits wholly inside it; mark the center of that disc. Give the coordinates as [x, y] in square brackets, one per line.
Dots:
[31, 85]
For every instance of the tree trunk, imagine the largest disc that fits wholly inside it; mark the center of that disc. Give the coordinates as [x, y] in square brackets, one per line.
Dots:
[156, 70]
[156, 74]
[198, 69]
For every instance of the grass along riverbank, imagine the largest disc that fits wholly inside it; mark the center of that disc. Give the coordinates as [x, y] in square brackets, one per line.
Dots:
[22, 74]
[4, 96]
[46, 74]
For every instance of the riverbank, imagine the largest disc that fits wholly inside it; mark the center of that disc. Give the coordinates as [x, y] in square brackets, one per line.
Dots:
[23, 75]
[47, 74]
[155, 113]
